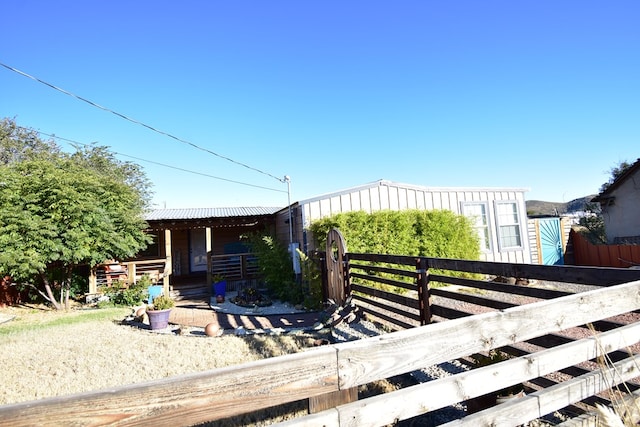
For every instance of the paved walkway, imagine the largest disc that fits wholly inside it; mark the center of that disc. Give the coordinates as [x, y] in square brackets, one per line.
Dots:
[197, 313]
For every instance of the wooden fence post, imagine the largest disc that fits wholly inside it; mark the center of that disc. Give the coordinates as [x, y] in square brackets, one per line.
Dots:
[345, 275]
[423, 291]
[93, 281]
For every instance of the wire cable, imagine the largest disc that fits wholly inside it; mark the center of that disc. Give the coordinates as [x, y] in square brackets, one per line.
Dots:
[158, 163]
[93, 104]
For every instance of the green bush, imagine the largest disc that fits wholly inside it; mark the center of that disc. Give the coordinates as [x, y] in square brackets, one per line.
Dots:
[275, 267]
[434, 233]
[312, 281]
[122, 295]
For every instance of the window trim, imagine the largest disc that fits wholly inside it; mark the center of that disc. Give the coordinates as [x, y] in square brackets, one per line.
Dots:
[488, 226]
[502, 248]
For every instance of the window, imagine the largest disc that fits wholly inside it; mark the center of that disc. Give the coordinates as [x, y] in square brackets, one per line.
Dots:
[508, 225]
[478, 213]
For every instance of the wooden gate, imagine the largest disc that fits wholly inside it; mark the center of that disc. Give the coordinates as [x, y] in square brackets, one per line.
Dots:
[336, 275]
[550, 235]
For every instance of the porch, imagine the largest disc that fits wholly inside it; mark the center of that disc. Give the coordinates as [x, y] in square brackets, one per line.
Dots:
[239, 270]
[189, 247]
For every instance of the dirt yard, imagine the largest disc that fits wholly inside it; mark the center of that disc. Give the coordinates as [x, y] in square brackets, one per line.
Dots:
[47, 353]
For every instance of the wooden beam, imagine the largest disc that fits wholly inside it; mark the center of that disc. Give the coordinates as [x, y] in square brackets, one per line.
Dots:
[208, 245]
[168, 263]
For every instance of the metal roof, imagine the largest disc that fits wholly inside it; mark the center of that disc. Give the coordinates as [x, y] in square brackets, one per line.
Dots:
[384, 182]
[203, 213]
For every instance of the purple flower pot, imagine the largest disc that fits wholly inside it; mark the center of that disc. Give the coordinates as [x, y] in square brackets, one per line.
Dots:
[159, 319]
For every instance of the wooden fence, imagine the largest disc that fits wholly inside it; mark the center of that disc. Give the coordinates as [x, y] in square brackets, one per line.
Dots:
[220, 393]
[536, 333]
[586, 253]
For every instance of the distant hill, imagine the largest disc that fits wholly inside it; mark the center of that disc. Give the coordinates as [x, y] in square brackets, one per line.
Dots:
[538, 207]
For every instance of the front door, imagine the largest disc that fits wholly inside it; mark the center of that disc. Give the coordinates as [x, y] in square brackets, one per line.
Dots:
[197, 250]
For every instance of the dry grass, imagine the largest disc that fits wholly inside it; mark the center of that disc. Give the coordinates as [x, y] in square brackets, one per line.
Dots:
[46, 353]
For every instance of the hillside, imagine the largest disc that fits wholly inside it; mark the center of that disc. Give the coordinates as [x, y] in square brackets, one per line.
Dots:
[538, 207]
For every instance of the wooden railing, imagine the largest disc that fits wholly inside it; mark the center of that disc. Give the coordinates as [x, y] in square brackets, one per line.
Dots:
[129, 272]
[237, 269]
[221, 393]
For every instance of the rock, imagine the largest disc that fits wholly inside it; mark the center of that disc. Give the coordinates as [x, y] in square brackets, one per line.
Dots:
[212, 330]
[140, 312]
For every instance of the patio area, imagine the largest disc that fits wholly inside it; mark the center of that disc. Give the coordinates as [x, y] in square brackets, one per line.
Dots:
[199, 313]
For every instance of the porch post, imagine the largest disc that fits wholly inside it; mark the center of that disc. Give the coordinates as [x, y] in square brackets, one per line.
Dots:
[168, 263]
[93, 281]
[207, 237]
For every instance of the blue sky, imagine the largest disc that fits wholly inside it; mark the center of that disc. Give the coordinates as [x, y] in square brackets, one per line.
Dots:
[541, 95]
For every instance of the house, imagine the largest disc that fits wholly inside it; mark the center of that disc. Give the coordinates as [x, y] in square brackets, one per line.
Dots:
[190, 243]
[499, 213]
[185, 241]
[620, 204]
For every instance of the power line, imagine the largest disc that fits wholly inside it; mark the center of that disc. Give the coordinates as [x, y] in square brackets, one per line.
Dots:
[93, 104]
[162, 164]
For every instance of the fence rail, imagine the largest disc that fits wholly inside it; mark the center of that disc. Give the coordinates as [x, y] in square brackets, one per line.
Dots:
[220, 393]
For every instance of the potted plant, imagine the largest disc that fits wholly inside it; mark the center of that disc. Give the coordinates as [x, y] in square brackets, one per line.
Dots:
[159, 312]
[218, 287]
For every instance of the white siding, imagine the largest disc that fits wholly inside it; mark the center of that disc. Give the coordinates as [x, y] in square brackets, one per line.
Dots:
[384, 195]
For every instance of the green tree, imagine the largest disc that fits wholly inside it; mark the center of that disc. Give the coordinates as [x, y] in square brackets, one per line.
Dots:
[18, 143]
[593, 224]
[59, 211]
[615, 172]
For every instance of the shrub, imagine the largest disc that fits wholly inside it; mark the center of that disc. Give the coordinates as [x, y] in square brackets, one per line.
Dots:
[311, 281]
[120, 294]
[275, 267]
[435, 233]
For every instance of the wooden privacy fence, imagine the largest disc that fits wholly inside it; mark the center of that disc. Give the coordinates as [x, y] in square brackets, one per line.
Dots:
[220, 393]
[586, 253]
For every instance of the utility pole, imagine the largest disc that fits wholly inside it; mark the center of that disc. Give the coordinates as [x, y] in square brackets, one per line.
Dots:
[292, 249]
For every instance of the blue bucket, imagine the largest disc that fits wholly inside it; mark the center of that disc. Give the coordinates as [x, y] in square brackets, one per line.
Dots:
[219, 288]
[154, 291]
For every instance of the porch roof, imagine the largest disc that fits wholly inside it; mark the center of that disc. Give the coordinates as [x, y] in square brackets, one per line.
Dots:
[208, 213]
